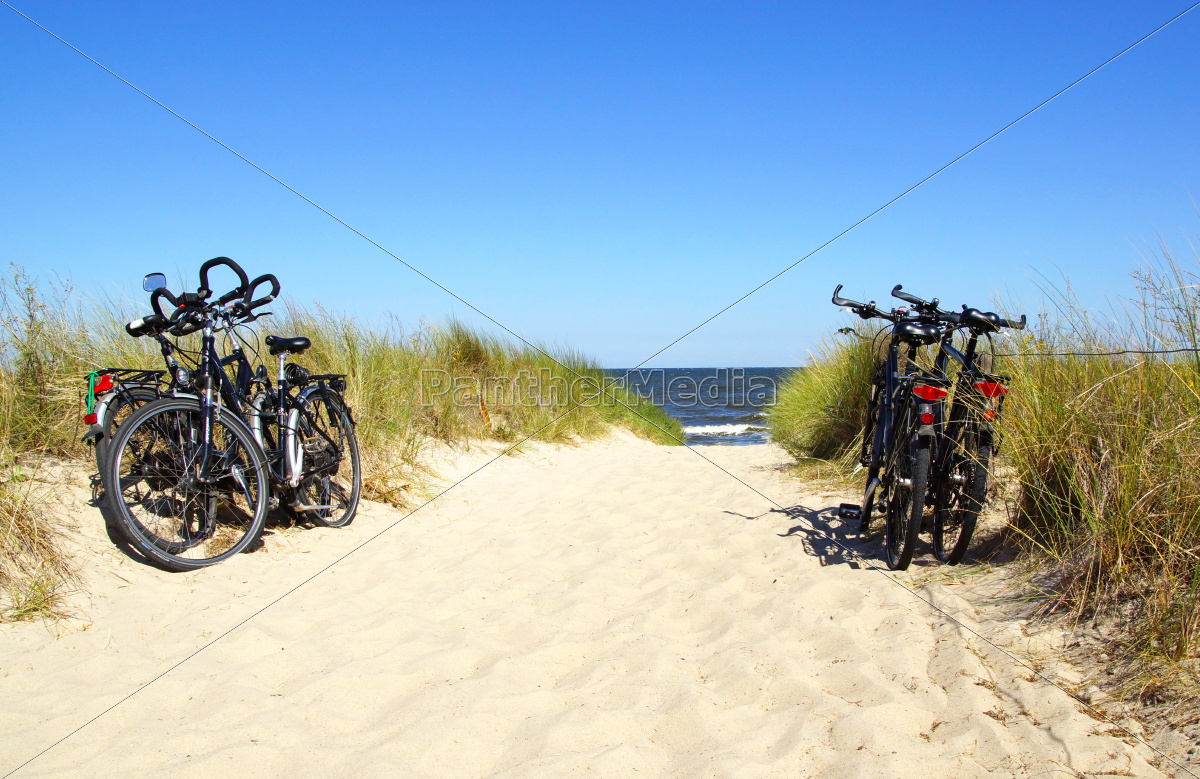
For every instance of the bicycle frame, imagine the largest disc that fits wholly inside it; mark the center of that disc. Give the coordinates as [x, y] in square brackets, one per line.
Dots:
[284, 464]
[896, 397]
[966, 396]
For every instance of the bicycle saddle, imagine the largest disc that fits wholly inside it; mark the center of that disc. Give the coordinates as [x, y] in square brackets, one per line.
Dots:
[916, 331]
[978, 320]
[278, 345]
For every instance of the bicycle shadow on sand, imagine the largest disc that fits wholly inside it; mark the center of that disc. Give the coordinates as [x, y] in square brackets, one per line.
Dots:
[833, 540]
[277, 520]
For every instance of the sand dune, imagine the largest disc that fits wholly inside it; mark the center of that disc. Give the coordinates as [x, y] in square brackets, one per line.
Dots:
[615, 609]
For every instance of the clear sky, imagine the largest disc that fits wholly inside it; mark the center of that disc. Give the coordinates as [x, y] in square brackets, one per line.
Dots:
[602, 175]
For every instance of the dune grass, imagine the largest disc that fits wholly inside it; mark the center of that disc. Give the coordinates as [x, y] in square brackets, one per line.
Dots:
[446, 383]
[1105, 452]
[818, 413]
[454, 384]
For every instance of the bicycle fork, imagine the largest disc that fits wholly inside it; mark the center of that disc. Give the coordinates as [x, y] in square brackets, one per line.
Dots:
[207, 407]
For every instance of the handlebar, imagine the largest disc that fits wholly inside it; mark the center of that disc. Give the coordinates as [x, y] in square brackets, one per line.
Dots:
[186, 321]
[190, 306]
[843, 302]
[147, 325]
[923, 305]
[929, 311]
[248, 301]
[162, 292]
[205, 290]
[864, 310]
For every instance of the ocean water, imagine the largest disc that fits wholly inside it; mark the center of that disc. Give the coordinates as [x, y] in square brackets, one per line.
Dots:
[714, 405]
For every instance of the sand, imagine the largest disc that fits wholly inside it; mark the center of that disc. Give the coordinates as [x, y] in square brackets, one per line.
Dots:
[614, 609]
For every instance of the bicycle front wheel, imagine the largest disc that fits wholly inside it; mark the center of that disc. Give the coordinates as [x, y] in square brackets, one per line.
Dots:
[906, 495]
[179, 514]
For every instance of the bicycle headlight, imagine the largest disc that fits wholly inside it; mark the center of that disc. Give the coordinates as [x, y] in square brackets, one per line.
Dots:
[183, 377]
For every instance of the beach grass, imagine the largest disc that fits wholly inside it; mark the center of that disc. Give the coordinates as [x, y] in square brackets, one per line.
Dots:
[1104, 451]
[408, 389]
[819, 409]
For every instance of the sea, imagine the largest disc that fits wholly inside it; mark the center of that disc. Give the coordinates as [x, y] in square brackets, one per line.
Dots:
[714, 405]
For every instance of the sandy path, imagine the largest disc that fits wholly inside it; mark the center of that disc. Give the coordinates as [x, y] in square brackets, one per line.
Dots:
[617, 608]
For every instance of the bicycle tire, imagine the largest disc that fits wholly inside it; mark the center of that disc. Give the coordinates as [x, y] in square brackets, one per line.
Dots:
[957, 506]
[176, 521]
[906, 504]
[336, 486]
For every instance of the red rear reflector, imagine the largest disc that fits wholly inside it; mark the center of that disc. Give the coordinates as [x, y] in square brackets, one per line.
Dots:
[90, 419]
[991, 389]
[927, 418]
[990, 414]
[927, 392]
[103, 384]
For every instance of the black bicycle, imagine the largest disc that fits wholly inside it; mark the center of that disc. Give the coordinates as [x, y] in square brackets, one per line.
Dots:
[192, 475]
[899, 431]
[967, 427]
[958, 440]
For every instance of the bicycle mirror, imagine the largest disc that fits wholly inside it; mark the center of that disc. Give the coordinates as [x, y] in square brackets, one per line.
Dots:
[154, 281]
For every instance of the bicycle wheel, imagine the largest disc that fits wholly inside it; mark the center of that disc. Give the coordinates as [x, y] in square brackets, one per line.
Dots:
[116, 412]
[329, 447]
[163, 507]
[906, 494]
[960, 497]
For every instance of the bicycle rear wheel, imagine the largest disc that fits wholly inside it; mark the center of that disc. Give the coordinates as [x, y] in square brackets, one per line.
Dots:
[178, 517]
[960, 497]
[906, 494]
[329, 448]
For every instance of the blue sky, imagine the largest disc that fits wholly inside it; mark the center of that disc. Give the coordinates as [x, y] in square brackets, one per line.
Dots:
[602, 175]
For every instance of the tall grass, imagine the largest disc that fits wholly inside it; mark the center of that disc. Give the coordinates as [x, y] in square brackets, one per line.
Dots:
[818, 414]
[1105, 452]
[34, 572]
[453, 384]
[444, 383]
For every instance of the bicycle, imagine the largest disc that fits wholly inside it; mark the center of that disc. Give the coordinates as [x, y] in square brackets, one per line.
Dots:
[193, 473]
[967, 438]
[898, 431]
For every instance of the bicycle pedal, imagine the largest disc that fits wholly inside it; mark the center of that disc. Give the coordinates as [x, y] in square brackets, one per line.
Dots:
[849, 511]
